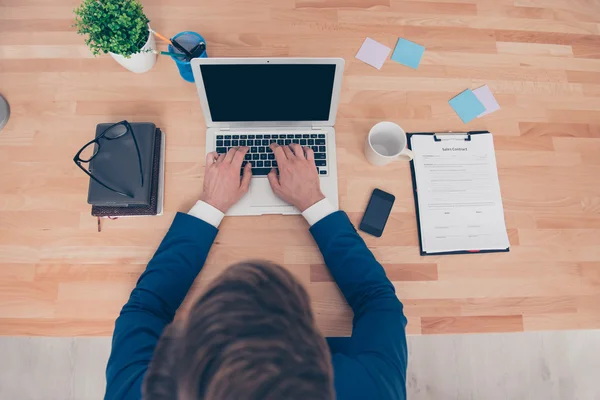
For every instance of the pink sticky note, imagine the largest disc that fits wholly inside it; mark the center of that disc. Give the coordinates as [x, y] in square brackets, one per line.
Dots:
[485, 96]
[373, 53]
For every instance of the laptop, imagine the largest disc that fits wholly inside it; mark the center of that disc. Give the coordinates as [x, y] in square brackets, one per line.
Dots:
[257, 101]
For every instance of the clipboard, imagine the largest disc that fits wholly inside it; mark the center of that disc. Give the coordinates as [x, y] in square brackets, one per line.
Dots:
[438, 137]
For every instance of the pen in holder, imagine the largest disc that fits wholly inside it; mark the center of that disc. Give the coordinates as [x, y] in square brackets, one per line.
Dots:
[189, 42]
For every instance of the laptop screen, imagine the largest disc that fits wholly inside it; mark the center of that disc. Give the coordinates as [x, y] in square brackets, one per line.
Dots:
[263, 92]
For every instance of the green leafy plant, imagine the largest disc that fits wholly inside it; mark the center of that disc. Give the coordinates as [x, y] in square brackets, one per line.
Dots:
[117, 26]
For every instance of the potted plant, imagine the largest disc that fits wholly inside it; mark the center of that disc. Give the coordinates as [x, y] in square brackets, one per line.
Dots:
[120, 28]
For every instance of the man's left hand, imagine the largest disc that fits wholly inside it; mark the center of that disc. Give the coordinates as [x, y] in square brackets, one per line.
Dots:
[222, 184]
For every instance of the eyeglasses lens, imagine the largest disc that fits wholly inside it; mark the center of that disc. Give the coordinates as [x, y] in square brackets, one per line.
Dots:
[116, 131]
[88, 152]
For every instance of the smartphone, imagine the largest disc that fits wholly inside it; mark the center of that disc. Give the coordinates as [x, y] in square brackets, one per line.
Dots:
[377, 212]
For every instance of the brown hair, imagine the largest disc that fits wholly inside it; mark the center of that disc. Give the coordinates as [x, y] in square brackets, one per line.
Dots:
[251, 335]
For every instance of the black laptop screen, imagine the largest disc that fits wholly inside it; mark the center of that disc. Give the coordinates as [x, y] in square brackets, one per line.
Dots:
[269, 92]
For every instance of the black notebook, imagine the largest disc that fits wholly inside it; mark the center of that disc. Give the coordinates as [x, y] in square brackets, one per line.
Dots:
[157, 189]
[117, 165]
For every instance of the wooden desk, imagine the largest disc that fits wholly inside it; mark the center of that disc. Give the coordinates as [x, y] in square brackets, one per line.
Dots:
[59, 276]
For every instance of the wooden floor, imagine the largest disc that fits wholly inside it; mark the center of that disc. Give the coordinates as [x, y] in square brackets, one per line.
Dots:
[59, 276]
[550, 365]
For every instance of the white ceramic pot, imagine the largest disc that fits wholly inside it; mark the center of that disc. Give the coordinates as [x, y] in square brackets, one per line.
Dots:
[143, 61]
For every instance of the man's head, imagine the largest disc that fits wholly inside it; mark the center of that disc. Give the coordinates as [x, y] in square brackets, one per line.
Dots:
[250, 336]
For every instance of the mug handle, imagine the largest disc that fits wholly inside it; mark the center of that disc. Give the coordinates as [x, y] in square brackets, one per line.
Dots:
[406, 155]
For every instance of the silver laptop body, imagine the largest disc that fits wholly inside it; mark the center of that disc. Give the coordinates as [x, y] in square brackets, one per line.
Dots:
[255, 101]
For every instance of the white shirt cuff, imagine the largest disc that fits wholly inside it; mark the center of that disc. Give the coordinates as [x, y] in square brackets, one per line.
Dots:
[207, 213]
[318, 211]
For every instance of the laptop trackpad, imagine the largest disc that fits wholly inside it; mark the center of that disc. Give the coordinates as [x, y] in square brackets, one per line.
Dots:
[262, 195]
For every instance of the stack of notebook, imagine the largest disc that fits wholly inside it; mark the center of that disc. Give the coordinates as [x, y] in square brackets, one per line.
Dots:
[117, 165]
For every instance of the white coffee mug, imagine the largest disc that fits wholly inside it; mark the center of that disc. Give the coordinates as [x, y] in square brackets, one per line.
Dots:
[386, 142]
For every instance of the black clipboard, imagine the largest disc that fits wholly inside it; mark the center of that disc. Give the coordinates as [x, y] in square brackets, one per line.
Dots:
[438, 136]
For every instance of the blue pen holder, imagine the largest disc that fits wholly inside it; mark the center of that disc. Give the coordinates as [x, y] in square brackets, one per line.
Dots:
[188, 40]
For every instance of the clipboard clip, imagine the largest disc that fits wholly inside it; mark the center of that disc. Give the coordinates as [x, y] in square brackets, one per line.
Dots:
[464, 136]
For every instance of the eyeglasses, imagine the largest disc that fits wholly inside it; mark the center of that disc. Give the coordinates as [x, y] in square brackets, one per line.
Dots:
[92, 148]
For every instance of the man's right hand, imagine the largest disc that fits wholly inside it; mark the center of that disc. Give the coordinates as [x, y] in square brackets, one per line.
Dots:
[222, 185]
[298, 180]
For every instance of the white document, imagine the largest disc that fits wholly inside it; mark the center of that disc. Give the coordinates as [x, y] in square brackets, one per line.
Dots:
[460, 206]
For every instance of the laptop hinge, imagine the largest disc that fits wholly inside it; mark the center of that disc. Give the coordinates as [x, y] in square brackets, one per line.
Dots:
[317, 128]
[224, 129]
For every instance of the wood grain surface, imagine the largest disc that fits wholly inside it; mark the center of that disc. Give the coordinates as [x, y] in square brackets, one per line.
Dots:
[541, 58]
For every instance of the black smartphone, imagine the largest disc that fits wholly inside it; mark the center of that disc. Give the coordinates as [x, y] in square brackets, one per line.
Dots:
[377, 212]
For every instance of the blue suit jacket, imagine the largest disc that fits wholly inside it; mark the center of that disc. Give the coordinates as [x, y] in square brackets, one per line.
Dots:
[369, 365]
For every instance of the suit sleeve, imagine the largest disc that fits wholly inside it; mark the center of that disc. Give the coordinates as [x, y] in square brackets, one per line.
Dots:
[376, 357]
[153, 303]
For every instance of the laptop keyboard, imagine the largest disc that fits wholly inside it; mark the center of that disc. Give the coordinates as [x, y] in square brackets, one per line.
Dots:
[260, 154]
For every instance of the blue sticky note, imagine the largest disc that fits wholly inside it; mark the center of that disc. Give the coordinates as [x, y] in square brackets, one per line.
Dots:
[467, 105]
[408, 53]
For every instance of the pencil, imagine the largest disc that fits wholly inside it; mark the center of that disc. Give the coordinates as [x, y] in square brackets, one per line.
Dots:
[167, 53]
[161, 37]
[172, 43]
